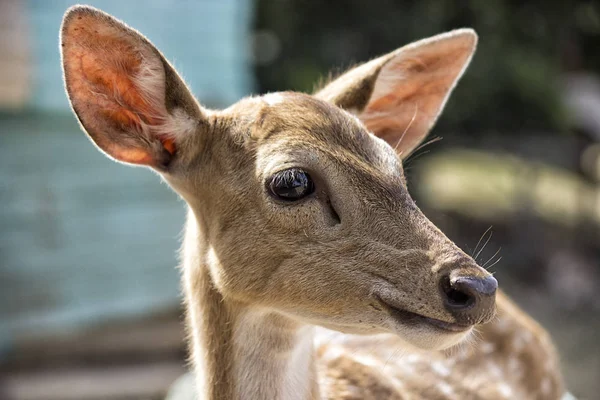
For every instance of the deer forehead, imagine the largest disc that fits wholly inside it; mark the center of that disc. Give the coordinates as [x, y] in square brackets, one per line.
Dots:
[296, 127]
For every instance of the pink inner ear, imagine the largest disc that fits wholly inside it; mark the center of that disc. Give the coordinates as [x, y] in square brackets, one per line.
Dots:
[402, 117]
[107, 65]
[114, 83]
[411, 90]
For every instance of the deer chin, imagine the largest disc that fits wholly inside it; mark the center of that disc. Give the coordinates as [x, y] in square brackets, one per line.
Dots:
[426, 337]
[425, 332]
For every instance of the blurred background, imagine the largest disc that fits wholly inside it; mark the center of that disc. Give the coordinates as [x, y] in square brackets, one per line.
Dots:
[89, 291]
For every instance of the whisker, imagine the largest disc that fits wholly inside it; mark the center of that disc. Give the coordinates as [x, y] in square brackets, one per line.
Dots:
[481, 237]
[408, 126]
[413, 158]
[476, 337]
[495, 262]
[490, 259]
[427, 143]
[485, 244]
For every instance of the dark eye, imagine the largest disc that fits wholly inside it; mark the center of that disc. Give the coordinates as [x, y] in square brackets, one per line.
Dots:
[291, 184]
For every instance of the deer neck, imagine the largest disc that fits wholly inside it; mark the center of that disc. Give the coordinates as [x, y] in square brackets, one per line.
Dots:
[240, 351]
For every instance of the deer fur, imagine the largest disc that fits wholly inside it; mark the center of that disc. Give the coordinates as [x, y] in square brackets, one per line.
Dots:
[338, 295]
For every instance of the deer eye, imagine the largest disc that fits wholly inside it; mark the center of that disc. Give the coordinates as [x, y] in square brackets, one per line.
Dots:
[291, 184]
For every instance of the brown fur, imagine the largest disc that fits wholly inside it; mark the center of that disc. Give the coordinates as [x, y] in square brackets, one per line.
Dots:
[262, 278]
[511, 358]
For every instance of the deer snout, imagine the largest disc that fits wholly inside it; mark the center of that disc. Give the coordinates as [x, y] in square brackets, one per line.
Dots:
[471, 299]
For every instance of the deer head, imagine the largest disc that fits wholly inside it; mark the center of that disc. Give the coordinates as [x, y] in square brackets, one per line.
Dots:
[300, 200]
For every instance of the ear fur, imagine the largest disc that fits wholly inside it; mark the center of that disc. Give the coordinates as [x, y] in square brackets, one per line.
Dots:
[127, 97]
[400, 95]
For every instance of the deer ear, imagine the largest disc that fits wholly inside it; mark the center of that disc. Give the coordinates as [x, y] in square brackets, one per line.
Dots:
[127, 97]
[399, 96]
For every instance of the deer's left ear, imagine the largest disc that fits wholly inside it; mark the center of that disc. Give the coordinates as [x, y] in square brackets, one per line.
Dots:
[399, 96]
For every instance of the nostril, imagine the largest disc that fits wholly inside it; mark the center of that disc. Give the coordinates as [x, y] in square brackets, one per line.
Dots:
[459, 298]
[456, 296]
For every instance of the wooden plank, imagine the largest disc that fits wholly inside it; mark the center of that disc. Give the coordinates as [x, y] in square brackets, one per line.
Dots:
[156, 338]
[143, 381]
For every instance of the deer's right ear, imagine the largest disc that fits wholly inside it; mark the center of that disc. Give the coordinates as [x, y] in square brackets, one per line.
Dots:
[127, 97]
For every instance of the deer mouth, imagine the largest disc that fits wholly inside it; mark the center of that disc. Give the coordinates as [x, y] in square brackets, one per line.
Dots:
[410, 318]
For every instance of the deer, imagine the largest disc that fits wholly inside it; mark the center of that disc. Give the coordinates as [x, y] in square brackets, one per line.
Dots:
[308, 270]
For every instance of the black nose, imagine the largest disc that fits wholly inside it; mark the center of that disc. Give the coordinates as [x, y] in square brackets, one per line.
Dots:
[470, 299]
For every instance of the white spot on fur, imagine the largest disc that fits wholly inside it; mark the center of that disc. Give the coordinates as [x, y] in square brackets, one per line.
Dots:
[505, 390]
[273, 98]
[412, 358]
[446, 389]
[495, 370]
[440, 368]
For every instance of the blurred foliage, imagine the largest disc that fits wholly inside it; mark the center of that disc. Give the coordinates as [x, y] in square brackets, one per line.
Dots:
[512, 85]
[502, 187]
